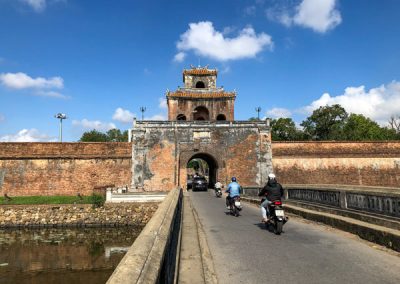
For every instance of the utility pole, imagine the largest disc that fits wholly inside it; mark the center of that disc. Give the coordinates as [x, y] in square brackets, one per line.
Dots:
[258, 109]
[60, 116]
[142, 109]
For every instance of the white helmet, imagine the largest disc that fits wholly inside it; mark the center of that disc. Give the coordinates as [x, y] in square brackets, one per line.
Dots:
[271, 176]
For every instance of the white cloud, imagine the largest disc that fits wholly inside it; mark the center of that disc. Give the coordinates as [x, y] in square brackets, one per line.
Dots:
[23, 81]
[93, 124]
[250, 10]
[179, 57]
[379, 103]
[28, 135]
[205, 41]
[279, 112]
[162, 103]
[51, 94]
[123, 115]
[37, 5]
[319, 15]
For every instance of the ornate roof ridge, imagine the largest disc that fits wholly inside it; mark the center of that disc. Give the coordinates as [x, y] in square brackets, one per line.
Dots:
[220, 94]
[200, 71]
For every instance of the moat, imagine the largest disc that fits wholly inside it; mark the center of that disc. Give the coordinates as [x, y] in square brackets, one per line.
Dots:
[62, 255]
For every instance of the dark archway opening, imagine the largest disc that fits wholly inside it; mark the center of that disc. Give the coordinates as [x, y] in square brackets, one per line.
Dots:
[221, 117]
[200, 85]
[201, 113]
[205, 165]
[181, 117]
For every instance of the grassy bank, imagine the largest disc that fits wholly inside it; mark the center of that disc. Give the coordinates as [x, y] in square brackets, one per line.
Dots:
[28, 200]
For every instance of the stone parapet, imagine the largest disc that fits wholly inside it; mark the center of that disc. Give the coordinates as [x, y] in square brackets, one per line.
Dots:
[336, 149]
[82, 215]
[56, 150]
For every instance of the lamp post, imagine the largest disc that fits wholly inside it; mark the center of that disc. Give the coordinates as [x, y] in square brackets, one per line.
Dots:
[258, 109]
[60, 116]
[142, 109]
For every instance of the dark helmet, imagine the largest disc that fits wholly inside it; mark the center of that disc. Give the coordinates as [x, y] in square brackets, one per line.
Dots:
[233, 179]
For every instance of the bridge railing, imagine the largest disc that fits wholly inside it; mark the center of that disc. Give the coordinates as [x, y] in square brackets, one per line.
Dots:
[152, 257]
[380, 200]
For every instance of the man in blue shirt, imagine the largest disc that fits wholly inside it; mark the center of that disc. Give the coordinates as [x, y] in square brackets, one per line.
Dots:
[233, 190]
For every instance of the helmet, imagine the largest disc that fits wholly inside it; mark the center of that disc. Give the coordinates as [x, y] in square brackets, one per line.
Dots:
[233, 179]
[271, 176]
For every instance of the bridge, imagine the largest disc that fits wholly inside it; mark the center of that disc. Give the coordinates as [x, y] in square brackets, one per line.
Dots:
[193, 239]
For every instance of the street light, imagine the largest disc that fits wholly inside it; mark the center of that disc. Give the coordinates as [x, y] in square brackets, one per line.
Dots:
[258, 109]
[142, 109]
[61, 116]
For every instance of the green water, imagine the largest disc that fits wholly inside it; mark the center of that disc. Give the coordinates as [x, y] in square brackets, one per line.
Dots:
[79, 255]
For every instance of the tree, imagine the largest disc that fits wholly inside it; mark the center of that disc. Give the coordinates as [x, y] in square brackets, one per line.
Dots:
[325, 123]
[112, 135]
[94, 136]
[253, 119]
[359, 127]
[394, 123]
[115, 135]
[284, 129]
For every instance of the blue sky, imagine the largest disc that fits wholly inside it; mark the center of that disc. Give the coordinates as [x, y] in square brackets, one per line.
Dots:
[99, 61]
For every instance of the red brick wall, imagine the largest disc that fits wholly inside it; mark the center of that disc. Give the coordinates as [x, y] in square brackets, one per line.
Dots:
[63, 168]
[353, 163]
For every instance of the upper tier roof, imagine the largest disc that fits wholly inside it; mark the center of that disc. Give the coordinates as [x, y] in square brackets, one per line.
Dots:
[200, 71]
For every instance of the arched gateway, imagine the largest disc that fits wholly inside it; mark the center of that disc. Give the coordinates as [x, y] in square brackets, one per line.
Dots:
[161, 150]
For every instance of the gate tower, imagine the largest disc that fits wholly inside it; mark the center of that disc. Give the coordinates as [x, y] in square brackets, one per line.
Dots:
[200, 125]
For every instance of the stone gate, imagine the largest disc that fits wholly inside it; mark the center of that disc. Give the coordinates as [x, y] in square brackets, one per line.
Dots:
[201, 125]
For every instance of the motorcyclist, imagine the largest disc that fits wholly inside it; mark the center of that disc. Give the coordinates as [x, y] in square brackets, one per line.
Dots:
[232, 190]
[217, 186]
[272, 191]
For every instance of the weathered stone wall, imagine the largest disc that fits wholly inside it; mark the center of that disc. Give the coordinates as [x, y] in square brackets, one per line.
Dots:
[63, 168]
[352, 163]
[76, 215]
[162, 150]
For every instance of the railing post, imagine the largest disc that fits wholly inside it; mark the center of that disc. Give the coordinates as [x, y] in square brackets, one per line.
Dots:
[343, 199]
[108, 195]
[285, 193]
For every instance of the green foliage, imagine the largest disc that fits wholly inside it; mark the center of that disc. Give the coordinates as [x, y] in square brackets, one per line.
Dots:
[325, 123]
[97, 200]
[253, 118]
[284, 129]
[26, 200]
[359, 127]
[94, 136]
[194, 164]
[112, 135]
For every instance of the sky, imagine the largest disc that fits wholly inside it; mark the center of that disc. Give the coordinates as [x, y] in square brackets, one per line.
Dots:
[99, 61]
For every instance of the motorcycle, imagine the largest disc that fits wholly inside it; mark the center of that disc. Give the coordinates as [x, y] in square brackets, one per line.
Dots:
[235, 206]
[218, 192]
[277, 216]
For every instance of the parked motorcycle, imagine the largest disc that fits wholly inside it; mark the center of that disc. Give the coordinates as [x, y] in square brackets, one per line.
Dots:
[235, 206]
[277, 216]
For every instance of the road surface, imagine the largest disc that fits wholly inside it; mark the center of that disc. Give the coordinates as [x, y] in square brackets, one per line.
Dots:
[245, 252]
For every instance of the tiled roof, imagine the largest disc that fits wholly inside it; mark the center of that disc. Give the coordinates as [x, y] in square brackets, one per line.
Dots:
[200, 71]
[179, 94]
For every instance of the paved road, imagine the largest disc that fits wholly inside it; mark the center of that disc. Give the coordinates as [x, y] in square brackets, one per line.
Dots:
[244, 252]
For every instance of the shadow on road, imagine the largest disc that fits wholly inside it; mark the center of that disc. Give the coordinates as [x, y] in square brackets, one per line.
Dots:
[267, 227]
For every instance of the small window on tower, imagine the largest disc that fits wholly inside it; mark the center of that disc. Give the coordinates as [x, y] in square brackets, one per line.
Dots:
[200, 85]
[181, 117]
